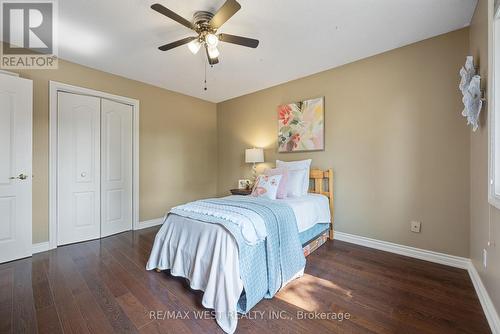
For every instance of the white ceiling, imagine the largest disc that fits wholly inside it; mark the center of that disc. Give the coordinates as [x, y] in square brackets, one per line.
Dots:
[297, 38]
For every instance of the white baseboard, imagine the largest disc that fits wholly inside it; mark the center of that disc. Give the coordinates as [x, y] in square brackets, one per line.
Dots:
[441, 258]
[40, 247]
[422, 254]
[488, 307]
[149, 223]
[45, 246]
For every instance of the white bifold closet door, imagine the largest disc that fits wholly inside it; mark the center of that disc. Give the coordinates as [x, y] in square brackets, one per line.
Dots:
[78, 168]
[94, 186]
[116, 167]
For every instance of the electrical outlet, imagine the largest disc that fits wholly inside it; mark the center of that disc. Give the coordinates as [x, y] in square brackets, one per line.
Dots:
[415, 226]
[485, 258]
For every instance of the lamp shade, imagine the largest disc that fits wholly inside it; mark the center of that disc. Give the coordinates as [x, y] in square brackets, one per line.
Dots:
[254, 155]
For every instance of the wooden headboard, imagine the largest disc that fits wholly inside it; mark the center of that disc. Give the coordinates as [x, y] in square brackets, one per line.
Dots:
[323, 184]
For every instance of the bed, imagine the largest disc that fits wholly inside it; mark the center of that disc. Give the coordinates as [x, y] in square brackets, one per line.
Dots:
[236, 269]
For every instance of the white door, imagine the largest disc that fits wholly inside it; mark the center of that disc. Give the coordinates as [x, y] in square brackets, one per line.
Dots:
[15, 167]
[78, 168]
[116, 167]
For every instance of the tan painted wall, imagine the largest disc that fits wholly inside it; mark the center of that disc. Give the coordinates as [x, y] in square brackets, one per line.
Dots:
[394, 136]
[480, 209]
[177, 136]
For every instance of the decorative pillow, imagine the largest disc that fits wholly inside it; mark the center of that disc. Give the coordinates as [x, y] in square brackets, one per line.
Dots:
[298, 176]
[266, 186]
[295, 183]
[284, 180]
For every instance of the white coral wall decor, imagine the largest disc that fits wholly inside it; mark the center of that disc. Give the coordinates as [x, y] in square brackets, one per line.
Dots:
[470, 86]
[473, 102]
[466, 74]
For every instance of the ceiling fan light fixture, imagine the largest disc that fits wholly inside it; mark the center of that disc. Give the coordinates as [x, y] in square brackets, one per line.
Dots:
[194, 46]
[213, 53]
[211, 40]
[205, 25]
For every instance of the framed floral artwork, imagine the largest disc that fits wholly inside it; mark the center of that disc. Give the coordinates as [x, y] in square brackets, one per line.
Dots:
[301, 126]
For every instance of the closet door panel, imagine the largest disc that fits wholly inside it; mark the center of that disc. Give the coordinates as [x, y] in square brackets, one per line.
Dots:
[78, 166]
[116, 167]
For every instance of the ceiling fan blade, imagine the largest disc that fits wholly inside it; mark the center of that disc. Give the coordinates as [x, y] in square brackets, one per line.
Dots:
[211, 61]
[176, 43]
[170, 14]
[228, 9]
[248, 42]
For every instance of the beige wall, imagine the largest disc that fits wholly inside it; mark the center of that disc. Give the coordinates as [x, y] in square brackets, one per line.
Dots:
[479, 208]
[394, 136]
[177, 136]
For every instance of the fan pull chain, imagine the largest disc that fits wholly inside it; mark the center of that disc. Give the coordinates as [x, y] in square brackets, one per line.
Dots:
[205, 88]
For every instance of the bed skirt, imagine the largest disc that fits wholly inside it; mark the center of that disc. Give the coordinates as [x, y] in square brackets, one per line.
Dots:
[314, 238]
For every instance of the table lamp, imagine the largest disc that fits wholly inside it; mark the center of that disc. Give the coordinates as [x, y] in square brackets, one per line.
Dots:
[254, 156]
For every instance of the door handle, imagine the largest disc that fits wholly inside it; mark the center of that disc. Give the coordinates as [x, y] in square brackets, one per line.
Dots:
[20, 177]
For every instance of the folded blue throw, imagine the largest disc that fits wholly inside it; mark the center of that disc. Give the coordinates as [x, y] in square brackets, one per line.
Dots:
[266, 266]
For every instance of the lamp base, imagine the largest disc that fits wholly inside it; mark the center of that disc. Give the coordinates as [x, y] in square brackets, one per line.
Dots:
[254, 174]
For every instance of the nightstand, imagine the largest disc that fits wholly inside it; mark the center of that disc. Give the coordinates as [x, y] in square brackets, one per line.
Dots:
[242, 192]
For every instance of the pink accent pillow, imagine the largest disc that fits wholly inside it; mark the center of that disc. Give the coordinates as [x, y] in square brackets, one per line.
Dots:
[284, 180]
[266, 186]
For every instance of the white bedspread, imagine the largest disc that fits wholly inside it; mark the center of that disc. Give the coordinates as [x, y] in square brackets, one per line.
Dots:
[309, 210]
[207, 255]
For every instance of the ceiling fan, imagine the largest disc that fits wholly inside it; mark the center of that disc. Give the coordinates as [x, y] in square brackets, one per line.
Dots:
[206, 24]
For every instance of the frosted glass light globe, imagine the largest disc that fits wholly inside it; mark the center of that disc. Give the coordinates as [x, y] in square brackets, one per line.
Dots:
[194, 46]
[211, 40]
[213, 52]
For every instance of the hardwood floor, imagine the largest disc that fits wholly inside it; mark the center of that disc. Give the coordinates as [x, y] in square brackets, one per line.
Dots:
[101, 286]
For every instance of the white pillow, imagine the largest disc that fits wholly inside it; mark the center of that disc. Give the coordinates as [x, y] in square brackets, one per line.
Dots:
[298, 176]
[266, 186]
[295, 184]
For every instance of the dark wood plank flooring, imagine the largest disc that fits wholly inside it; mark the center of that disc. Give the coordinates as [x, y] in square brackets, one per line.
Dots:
[101, 286]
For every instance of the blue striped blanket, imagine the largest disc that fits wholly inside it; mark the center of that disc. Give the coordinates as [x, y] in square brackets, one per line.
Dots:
[266, 266]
